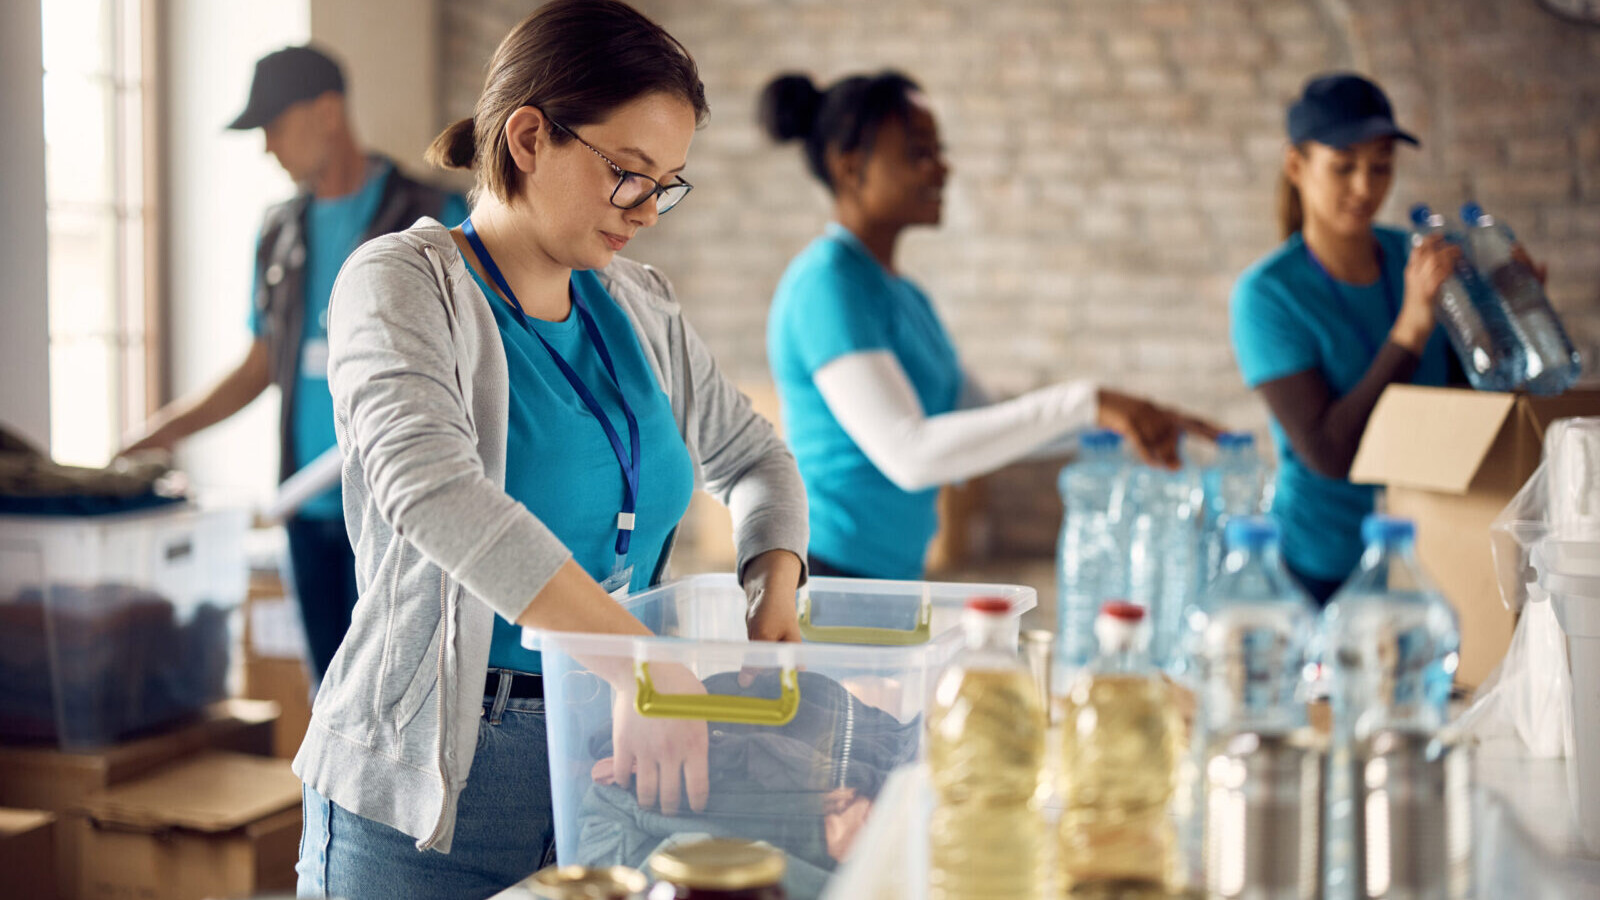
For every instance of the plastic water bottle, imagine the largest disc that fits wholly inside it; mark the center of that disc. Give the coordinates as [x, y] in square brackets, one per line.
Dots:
[1164, 565]
[1256, 774]
[1120, 745]
[1249, 637]
[1553, 363]
[1487, 340]
[1390, 644]
[986, 749]
[1234, 485]
[1090, 557]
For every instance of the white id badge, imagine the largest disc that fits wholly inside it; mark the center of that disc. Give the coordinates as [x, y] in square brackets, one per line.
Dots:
[314, 359]
[617, 584]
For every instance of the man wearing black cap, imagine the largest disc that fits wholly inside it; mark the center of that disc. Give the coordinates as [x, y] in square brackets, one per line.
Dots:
[346, 197]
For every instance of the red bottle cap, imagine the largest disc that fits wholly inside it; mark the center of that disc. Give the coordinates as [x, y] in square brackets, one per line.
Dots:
[1123, 610]
[997, 606]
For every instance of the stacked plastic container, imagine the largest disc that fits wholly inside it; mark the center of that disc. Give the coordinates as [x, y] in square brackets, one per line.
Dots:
[114, 625]
[1568, 562]
[801, 737]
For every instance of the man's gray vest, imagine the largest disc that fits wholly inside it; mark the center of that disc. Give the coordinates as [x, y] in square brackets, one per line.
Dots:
[281, 281]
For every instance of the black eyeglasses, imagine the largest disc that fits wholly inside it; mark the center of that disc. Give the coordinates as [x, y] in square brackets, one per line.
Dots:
[634, 188]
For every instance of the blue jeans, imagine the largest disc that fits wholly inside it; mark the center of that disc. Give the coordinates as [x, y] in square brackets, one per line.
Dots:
[323, 569]
[505, 829]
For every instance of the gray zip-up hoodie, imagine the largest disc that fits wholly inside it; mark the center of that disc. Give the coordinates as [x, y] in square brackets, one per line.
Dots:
[420, 398]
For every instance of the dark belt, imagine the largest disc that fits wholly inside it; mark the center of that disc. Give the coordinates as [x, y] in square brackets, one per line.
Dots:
[524, 685]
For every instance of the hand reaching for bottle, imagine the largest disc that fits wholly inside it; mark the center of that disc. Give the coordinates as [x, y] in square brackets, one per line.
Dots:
[1152, 430]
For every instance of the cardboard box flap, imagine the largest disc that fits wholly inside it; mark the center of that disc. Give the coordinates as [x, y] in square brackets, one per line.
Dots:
[1541, 411]
[213, 792]
[21, 821]
[1430, 438]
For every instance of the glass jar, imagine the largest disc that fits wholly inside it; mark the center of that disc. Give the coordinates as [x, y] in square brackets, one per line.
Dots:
[720, 869]
[582, 883]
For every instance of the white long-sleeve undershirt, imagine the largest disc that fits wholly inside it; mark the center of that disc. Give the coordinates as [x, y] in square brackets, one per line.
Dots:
[874, 402]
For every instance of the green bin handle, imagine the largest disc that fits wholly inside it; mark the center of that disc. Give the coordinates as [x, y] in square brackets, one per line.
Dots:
[921, 633]
[716, 707]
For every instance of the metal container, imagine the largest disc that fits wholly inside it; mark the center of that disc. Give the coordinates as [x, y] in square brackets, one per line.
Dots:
[1412, 821]
[719, 869]
[1263, 817]
[583, 883]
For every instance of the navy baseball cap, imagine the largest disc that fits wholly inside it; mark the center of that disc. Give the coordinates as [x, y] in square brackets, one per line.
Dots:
[1341, 109]
[286, 77]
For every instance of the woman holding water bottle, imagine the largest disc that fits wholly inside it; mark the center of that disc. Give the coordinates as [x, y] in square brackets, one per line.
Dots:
[878, 409]
[1342, 309]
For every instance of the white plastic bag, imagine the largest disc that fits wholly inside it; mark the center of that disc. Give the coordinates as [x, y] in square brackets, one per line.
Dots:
[1528, 693]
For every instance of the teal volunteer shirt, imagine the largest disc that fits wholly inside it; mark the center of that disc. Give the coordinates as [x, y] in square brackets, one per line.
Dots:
[334, 229]
[1286, 317]
[559, 463]
[835, 300]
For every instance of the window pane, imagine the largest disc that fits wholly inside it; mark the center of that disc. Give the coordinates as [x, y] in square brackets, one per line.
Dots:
[77, 134]
[82, 401]
[131, 33]
[131, 132]
[83, 273]
[77, 36]
[133, 382]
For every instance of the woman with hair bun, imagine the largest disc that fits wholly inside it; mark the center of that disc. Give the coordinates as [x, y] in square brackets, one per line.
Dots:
[878, 408]
[523, 415]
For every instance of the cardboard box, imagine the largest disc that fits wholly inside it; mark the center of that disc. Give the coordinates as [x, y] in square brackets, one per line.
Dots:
[218, 825]
[1452, 459]
[27, 853]
[49, 779]
[285, 683]
[275, 660]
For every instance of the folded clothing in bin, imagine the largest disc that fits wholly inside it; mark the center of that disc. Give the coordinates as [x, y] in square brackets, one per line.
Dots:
[90, 665]
[804, 787]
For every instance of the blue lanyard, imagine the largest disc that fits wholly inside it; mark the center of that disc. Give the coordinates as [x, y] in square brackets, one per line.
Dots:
[628, 463]
[1338, 293]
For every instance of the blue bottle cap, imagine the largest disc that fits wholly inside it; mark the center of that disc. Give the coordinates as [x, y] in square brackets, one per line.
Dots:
[1471, 213]
[1386, 529]
[1420, 214]
[1100, 439]
[1251, 532]
[1235, 440]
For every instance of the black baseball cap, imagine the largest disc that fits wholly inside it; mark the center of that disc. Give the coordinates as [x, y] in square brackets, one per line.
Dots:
[286, 77]
[1342, 108]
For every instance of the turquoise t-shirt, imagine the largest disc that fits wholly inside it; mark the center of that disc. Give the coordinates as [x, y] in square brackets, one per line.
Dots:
[1286, 318]
[559, 463]
[334, 229]
[834, 300]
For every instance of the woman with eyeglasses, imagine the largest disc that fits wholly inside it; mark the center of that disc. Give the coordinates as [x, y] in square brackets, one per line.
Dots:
[1339, 311]
[878, 409]
[523, 416]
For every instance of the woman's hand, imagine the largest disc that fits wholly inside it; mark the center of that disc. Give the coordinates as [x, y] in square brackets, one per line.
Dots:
[1432, 261]
[1152, 430]
[770, 582]
[666, 758]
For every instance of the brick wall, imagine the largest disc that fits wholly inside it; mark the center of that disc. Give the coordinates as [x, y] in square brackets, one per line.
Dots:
[1114, 160]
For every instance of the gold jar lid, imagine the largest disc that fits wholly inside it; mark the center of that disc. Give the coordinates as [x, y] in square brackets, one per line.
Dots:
[723, 864]
[583, 883]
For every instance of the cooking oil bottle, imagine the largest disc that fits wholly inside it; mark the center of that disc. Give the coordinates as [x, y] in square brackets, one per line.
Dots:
[986, 748]
[1121, 742]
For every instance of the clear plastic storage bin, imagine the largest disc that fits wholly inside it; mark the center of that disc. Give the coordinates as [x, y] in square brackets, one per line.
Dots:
[113, 625]
[801, 736]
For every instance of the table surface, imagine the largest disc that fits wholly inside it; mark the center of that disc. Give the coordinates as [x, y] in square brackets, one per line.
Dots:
[1528, 842]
